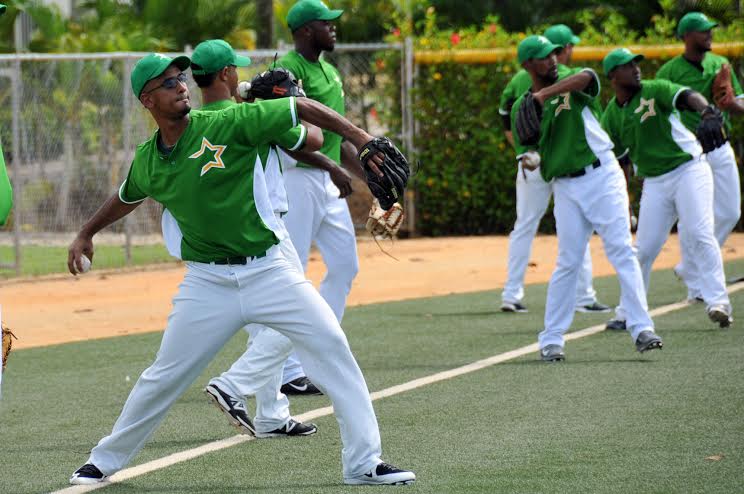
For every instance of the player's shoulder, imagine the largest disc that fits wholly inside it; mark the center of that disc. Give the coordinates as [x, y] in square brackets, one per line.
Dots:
[715, 59]
[292, 61]
[670, 66]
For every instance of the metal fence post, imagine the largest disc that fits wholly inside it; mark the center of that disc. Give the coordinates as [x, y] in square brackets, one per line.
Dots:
[407, 126]
[17, 163]
[127, 145]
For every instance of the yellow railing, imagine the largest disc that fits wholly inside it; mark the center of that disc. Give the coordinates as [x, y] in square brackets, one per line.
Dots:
[591, 53]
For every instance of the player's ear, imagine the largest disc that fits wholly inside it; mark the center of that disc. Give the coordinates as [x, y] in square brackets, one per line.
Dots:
[146, 100]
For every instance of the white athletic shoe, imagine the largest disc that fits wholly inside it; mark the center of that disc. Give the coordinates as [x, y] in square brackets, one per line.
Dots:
[383, 474]
[88, 474]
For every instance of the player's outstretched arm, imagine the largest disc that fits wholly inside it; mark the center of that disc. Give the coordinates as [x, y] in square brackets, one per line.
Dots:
[328, 119]
[112, 210]
[350, 160]
[691, 100]
[576, 82]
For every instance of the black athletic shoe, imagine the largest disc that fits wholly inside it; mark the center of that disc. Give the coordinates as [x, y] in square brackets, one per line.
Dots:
[300, 386]
[615, 325]
[513, 307]
[291, 428]
[86, 475]
[648, 340]
[594, 308]
[383, 474]
[233, 409]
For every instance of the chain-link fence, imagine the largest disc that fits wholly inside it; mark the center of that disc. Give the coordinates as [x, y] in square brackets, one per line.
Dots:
[70, 127]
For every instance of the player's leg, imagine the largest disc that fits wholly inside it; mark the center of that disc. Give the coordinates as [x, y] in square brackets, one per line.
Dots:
[607, 209]
[533, 197]
[336, 242]
[726, 191]
[573, 234]
[656, 217]
[306, 196]
[293, 307]
[206, 314]
[694, 201]
[586, 296]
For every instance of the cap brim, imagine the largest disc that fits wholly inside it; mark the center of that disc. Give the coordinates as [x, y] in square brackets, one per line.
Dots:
[709, 26]
[628, 58]
[547, 50]
[241, 61]
[331, 15]
[182, 62]
[575, 40]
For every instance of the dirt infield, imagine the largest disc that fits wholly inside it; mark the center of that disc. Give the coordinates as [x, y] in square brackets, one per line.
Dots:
[99, 305]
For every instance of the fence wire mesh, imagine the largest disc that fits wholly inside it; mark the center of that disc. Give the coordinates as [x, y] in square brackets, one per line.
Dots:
[70, 127]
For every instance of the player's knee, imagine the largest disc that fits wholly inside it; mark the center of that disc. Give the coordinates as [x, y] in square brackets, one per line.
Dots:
[344, 269]
[729, 216]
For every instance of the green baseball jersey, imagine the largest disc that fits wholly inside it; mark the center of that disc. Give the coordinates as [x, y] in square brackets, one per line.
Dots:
[571, 136]
[321, 82]
[517, 86]
[6, 191]
[679, 70]
[648, 126]
[207, 180]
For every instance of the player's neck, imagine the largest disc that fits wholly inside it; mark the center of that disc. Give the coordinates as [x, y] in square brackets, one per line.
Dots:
[625, 94]
[308, 52]
[172, 129]
[694, 54]
[215, 93]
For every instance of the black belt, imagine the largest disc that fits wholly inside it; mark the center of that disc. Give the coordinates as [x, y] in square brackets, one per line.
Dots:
[241, 260]
[582, 172]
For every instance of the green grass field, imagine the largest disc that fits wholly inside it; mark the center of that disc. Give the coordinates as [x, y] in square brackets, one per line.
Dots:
[41, 260]
[606, 420]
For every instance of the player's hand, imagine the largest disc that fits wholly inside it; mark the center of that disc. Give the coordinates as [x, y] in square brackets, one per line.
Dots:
[81, 245]
[341, 179]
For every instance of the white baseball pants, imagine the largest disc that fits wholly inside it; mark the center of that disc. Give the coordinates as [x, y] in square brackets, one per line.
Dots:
[685, 193]
[533, 197]
[317, 214]
[212, 304]
[259, 370]
[726, 211]
[595, 201]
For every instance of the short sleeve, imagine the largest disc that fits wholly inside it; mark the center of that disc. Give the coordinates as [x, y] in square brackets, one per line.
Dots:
[129, 191]
[293, 139]
[594, 87]
[261, 122]
[663, 72]
[508, 97]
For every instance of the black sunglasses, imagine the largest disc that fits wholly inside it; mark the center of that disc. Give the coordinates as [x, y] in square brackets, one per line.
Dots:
[171, 82]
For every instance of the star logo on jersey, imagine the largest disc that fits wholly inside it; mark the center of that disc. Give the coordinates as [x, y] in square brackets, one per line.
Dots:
[648, 104]
[216, 161]
[563, 101]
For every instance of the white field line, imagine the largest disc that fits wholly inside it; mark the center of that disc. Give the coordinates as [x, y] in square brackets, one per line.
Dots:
[182, 456]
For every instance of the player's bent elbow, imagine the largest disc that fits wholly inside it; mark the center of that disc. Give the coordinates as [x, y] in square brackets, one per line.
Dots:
[314, 139]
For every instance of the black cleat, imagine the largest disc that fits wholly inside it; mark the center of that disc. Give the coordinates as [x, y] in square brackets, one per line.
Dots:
[234, 409]
[648, 340]
[300, 386]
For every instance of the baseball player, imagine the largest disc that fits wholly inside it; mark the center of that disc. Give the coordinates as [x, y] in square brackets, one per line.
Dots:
[214, 66]
[6, 191]
[317, 213]
[206, 170]
[589, 190]
[643, 120]
[533, 195]
[698, 69]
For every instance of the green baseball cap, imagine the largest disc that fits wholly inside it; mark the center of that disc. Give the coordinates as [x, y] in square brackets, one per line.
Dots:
[306, 11]
[618, 57]
[535, 47]
[215, 54]
[151, 66]
[694, 22]
[560, 34]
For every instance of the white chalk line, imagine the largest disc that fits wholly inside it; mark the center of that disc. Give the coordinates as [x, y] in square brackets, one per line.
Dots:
[166, 461]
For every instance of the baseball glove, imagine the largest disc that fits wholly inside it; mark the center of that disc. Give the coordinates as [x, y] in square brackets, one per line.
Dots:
[723, 92]
[385, 224]
[273, 84]
[8, 338]
[389, 188]
[710, 131]
[528, 119]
